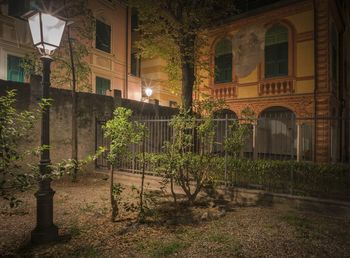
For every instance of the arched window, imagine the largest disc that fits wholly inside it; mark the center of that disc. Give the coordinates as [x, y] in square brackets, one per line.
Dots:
[276, 51]
[223, 61]
[277, 134]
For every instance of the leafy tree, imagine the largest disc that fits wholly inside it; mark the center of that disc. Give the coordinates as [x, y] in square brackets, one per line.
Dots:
[175, 30]
[121, 132]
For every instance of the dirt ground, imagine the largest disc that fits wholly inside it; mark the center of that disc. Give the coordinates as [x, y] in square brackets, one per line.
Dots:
[209, 229]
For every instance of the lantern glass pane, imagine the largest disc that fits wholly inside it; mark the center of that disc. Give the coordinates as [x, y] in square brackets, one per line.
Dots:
[52, 29]
[34, 24]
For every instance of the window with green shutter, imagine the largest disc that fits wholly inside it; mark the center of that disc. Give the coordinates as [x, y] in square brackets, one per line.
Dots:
[14, 70]
[223, 61]
[276, 51]
[102, 85]
[103, 36]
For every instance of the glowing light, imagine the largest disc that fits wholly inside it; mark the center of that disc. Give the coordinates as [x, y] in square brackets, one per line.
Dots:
[148, 92]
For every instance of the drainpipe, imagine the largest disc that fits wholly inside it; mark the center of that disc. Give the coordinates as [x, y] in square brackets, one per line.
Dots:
[315, 77]
[126, 54]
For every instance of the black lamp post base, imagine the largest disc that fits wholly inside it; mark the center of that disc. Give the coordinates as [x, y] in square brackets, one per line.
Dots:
[44, 235]
[45, 230]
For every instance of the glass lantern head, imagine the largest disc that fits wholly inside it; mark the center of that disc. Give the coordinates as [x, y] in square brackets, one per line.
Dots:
[47, 31]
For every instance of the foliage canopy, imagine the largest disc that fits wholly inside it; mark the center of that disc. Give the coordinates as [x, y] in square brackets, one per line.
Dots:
[176, 31]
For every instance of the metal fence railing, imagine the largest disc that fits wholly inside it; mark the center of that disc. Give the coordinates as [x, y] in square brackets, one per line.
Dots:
[288, 141]
[278, 137]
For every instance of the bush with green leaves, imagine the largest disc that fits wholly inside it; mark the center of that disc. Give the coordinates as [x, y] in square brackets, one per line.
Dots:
[299, 178]
[188, 156]
[14, 127]
[16, 174]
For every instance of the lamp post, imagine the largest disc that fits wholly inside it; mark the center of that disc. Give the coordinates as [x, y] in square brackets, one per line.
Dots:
[46, 32]
[148, 92]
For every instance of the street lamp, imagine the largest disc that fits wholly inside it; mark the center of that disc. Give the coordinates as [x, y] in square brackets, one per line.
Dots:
[148, 92]
[46, 32]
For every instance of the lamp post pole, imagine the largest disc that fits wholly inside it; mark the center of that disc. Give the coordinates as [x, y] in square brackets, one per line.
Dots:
[45, 230]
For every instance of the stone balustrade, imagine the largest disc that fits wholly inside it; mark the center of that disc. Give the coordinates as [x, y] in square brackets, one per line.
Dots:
[271, 87]
[227, 91]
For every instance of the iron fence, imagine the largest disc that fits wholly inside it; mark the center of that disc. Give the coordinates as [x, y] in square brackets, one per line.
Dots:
[280, 137]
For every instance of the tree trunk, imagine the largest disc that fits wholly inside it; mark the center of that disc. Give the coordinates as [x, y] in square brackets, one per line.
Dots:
[187, 84]
[74, 110]
[114, 203]
[173, 190]
[188, 72]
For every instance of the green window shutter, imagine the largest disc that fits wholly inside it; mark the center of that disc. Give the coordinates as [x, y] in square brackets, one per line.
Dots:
[223, 61]
[102, 85]
[103, 36]
[276, 52]
[14, 70]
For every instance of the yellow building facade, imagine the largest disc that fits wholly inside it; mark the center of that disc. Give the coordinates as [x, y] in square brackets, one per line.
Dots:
[290, 56]
[109, 51]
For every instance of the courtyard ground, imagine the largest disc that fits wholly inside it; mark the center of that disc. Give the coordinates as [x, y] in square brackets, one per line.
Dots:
[210, 229]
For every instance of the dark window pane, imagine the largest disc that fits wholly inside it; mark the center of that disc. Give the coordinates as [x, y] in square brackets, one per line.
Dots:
[102, 85]
[135, 65]
[223, 69]
[103, 36]
[134, 19]
[223, 61]
[276, 52]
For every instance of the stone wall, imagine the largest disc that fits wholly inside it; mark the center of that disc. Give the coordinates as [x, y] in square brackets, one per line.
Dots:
[90, 108]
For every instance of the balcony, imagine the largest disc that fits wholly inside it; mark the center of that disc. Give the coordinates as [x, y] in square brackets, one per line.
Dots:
[224, 91]
[276, 86]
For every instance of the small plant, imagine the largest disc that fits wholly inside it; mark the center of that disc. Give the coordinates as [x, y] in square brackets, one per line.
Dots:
[189, 155]
[121, 131]
[238, 133]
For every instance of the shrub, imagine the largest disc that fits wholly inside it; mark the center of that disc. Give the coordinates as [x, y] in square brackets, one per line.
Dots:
[301, 178]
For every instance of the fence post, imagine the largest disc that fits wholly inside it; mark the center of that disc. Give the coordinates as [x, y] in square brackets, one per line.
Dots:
[293, 120]
[226, 127]
[255, 130]
[299, 143]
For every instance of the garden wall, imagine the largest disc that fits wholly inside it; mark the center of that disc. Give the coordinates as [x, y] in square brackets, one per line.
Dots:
[90, 108]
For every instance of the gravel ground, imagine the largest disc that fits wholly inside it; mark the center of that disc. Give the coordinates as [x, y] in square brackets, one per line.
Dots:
[210, 229]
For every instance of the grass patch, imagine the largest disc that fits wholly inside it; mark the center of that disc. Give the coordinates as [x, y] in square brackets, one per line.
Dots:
[164, 249]
[302, 225]
[218, 237]
[89, 207]
[86, 251]
[74, 230]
